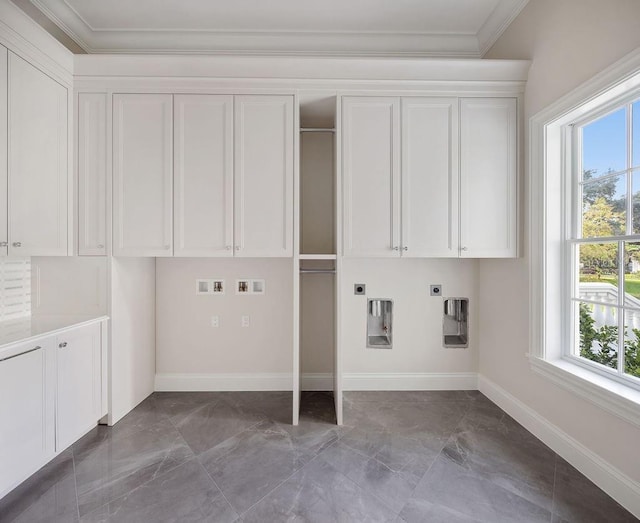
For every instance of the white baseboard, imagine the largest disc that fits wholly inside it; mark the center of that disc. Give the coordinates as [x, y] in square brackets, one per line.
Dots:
[223, 382]
[618, 485]
[316, 381]
[410, 381]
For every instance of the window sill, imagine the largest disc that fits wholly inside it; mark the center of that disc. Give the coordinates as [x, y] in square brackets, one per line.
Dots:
[613, 397]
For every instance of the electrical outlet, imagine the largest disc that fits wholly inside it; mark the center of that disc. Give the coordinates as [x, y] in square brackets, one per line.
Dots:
[245, 321]
[359, 289]
[215, 321]
[436, 290]
[242, 287]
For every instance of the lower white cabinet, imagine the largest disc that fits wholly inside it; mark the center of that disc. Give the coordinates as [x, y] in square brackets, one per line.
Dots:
[78, 381]
[27, 387]
[51, 392]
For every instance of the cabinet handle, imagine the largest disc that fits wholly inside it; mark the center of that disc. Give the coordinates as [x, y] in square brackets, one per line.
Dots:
[228, 247]
[62, 345]
[463, 248]
[237, 248]
[396, 248]
[405, 248]
[4, 244]
[37, 347]
[100, 246]
[17, 244]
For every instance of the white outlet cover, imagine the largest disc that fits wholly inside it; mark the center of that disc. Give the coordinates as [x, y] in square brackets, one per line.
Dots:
[215, 321]
[245, 321]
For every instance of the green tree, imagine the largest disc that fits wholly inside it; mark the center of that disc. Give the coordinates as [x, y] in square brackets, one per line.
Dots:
[600, 220]
[592, 190]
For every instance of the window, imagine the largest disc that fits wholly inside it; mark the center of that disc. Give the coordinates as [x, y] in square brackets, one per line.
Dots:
[604, 247]
[584, 240]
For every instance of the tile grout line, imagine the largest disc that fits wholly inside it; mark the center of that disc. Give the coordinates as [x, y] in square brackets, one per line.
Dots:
[553, 492]
[217, 486]
[75, 481]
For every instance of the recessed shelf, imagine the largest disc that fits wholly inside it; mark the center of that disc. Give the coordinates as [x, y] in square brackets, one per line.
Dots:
[318, 256]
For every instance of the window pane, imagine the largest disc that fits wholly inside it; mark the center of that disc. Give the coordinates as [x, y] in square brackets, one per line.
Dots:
[636, 134]
[598, 272]
[604, 207]
[632, 343]
[632, 274]
[604, 145]
[598, 336]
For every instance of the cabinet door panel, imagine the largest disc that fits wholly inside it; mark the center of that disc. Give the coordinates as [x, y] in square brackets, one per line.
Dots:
[203, 175]
[142, 174]
[4, 232]
[92, 174]
[488, 178]
[38, 164]
[263, 223]
[79, 383]
[371, 176]
[26, 411]
[430, 177]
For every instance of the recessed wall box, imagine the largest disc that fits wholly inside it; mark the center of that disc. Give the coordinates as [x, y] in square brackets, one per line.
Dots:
[217, 286]
[455, 323]
[379, 323]
[242, 287]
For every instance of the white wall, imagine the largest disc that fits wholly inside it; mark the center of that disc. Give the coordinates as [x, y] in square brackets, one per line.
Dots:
[417, 319]
[568, 41]
[187, 344]
[133, 333]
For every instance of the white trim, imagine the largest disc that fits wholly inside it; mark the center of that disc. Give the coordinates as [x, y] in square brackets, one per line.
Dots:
[614, 482]
[614, 397]
[223, 382]
[316, 381]
[497, 23]
[410, 381]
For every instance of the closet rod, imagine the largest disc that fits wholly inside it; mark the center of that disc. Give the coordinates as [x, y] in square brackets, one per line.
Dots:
[316, 130]
[317, 271]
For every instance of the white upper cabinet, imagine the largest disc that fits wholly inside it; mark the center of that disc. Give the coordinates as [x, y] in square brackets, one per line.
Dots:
[142, 174]
[429, 177]
[371, 176]
[488, 178]
[38, 166]
[92, 174]
[263, 185]
[203, 175]
[4, 211]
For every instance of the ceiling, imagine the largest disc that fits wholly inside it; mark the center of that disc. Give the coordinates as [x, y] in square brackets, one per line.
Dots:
[446, 28]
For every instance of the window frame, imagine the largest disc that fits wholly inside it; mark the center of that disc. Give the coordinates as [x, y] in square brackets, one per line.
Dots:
[551, 211]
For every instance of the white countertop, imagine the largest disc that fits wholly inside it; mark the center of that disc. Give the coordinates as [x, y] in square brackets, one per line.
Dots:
[24, 329]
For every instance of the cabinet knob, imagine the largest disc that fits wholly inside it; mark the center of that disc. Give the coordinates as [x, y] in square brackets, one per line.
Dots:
[463, 248]
[4, 244]
[228, 247]
[62, 345]
[405, 248]
[237, 248]
[100, 246]
[17, 244]
[396, 248]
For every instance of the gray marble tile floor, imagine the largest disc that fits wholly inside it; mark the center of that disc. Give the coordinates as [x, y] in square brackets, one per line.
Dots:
[446, 456]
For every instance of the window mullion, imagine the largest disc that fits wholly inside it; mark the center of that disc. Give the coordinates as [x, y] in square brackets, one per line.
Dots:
[621, 296]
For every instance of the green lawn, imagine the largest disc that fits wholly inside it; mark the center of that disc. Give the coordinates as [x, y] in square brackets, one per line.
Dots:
[631, 286]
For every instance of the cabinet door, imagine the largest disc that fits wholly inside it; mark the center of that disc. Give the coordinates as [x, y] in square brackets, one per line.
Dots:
[4, 232]
[430, 177]
[92, 170]
[371, 176]
[38, 174]
[263, 224]
[203, 175]
[79, 383]
[142, 175]
[488, 178]
[26, 411]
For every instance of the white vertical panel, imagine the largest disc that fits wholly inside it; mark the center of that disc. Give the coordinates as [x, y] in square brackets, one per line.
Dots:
[38, 164]
[92, 174]
[203, 175]
[371, 176]
[142, 175]
[4, 232]
[488, 178]
[264, 176]
[430, 177]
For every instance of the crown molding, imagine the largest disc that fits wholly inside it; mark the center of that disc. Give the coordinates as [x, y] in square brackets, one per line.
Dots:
[497, 23]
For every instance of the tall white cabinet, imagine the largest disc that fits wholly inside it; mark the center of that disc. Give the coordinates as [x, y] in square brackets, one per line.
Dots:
[142, 175]
[38, 163]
